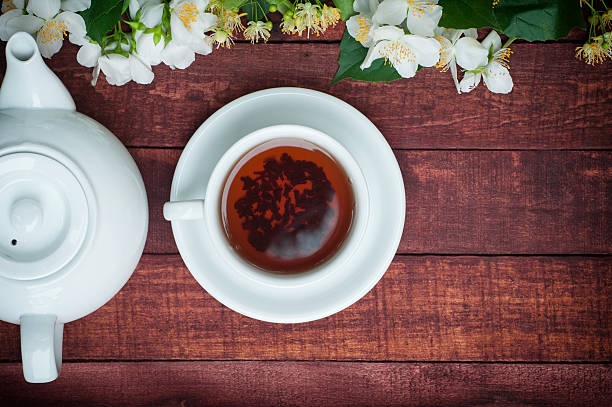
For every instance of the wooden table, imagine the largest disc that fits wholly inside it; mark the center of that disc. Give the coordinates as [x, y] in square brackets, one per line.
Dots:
[500, 293]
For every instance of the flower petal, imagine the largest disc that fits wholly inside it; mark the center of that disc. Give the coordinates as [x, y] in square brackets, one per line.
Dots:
[116, 68]
[469, 82]
[152, 13]
[423, 23]
[133, 8]
[208, 21]
[74, 24]
[48, 48]
[470, 54]
[140, 71]
[373, 54]
[148, 50]
[453, 69]
[498, 79]
[45, 9]
[88, 54]
[492, 39]
[177, 56]
[391, 12]
[360, 27]
[180, 33]
[6, 30]
[426, 50]
[75, 5]
[14, 21]
[471, 32]
[51, 37]
[95, 74]
[387, 32]
[362, 6]
[406, 67]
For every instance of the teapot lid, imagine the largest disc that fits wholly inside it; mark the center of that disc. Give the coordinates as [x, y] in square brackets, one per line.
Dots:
[43, 216]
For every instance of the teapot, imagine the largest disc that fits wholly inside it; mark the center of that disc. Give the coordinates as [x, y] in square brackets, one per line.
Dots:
[73, 210]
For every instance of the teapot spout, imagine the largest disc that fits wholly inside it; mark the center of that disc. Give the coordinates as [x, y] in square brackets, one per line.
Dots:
[28, 82]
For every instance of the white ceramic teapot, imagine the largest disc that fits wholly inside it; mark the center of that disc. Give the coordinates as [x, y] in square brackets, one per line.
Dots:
[73, 209]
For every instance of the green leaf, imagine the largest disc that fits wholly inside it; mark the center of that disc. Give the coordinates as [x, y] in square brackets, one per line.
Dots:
[345, 7]
[468, 14]
[531, 20]
[256, 9]
[102, 17]
[231, 4]
[352, 54]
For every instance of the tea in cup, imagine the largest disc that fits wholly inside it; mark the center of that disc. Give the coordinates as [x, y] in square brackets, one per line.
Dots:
[283, 201]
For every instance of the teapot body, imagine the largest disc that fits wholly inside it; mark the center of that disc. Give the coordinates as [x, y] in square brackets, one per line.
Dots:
[73, 209]
[111, 238]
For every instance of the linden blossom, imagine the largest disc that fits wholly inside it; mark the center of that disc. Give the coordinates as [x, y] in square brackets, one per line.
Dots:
[174, 31]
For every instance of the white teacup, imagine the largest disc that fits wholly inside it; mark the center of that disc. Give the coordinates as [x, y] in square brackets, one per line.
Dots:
[208, 209]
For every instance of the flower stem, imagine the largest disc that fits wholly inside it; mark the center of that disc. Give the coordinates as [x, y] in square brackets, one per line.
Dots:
[510, 41]
[590, 6]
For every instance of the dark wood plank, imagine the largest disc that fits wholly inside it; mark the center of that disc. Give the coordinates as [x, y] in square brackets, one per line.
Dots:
[312, 384]
[424, 309]
[468, 202]
[558, 102]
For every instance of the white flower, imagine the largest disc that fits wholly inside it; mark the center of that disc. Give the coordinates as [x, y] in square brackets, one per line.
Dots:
[43, 18]
[151, 11]
[405, 52]
[495, 71]
[422, 16]
[362, 26]
[177, 56]
[173, 53]
[117, 68]
[465, 51]
[189, 23]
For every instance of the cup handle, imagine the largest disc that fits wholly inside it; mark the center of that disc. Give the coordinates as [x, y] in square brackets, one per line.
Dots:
[41, 347]
[184, 210]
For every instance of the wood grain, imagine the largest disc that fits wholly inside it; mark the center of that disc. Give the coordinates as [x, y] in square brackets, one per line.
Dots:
[467, 202]
[424, 309]
[287, 384]
[558, 102]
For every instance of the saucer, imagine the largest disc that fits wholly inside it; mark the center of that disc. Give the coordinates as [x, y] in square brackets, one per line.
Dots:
[334, 291]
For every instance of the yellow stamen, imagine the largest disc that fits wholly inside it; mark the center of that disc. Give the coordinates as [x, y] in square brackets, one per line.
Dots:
[445, 59]
[188, 14]
[53, 30]
[363, 30]
[8, 5]
[396, 53]
[503, 57]
[592, 53]
[420, 7]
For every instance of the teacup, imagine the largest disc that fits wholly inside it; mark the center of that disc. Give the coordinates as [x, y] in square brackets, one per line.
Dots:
[208, 209]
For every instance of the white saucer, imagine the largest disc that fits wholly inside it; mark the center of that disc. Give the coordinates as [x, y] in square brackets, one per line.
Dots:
[336, 291]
